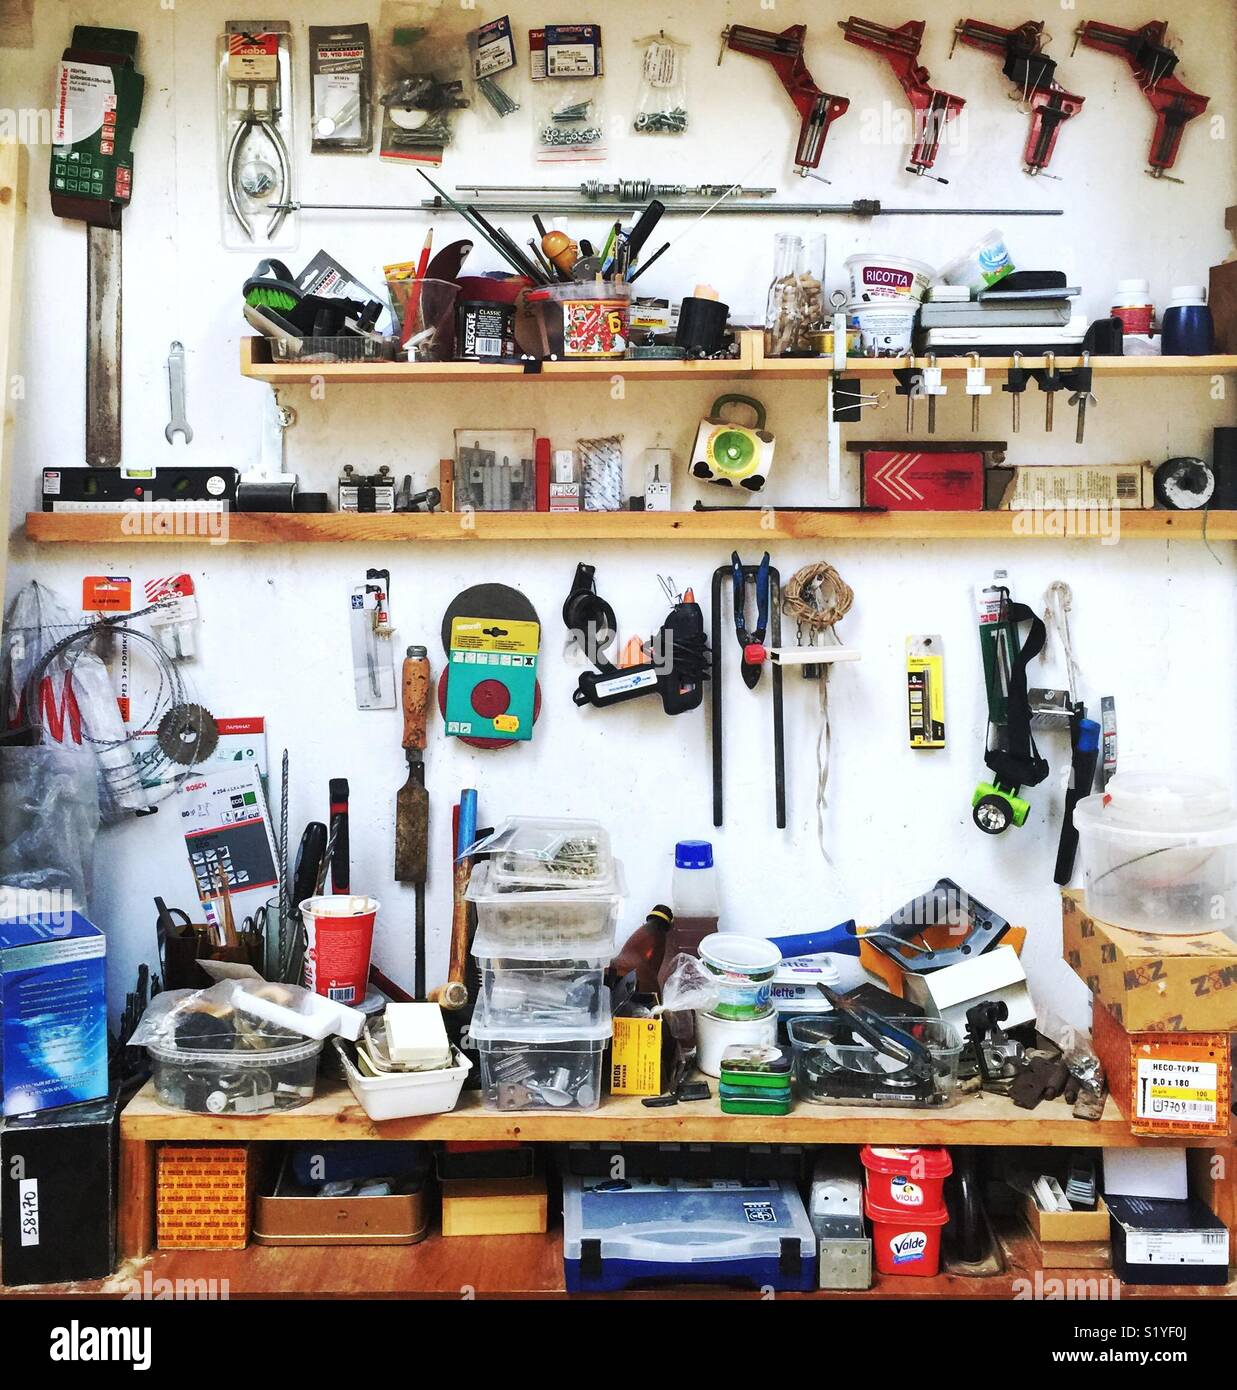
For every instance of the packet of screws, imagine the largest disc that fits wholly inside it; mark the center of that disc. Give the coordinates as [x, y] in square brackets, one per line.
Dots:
[661, 108]
[491, 49]
[566, 65]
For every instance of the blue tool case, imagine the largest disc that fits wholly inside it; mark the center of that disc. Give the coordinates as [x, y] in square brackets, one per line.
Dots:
[617, 1234]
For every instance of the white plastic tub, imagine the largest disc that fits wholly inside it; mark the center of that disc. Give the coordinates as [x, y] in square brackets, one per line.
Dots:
[877, 277]
[984, 265]
[1159, 853]
[885, 328]
[401, 1094]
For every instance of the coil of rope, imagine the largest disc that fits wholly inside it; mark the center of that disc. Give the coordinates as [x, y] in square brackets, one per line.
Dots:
[817, 598]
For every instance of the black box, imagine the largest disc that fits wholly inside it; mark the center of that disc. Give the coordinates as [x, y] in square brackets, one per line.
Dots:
[1155, 1241]
[58, 1194]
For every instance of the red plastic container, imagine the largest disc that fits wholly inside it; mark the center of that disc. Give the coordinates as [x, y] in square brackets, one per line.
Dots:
[906, 1242]
[906, 1179]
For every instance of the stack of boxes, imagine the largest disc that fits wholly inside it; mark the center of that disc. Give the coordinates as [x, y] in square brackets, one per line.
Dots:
[547, 901]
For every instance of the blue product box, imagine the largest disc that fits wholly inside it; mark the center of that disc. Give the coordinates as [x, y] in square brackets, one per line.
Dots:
[53, 1012]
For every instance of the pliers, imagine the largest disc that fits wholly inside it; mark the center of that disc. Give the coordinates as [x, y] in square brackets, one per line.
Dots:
[752, 642]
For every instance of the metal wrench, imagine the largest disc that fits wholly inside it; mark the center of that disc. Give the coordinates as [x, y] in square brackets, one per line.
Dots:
[179, 423]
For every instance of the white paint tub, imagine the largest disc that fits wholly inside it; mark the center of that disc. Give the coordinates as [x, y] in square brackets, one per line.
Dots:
[874, 278]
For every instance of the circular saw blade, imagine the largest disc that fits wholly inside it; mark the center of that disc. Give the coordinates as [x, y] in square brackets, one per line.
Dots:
[188, 734]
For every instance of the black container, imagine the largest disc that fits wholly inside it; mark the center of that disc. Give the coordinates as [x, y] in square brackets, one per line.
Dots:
[1224, 466]
[1163, 1242]
[484, 331]
[702, 325]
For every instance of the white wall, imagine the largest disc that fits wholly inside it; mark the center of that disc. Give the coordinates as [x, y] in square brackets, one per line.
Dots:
[1152, 620]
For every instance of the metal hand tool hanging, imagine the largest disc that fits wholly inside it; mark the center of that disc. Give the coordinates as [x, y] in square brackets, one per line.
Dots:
[412, 807]
[766, 581]
[1021, 50]
[784, 53]
[932, 108]
[1153, 64]
[256, 103]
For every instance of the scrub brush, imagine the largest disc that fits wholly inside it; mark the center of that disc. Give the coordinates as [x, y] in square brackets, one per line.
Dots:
[271, 286]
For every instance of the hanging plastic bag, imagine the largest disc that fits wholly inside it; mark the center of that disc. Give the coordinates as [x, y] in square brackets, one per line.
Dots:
[49, 816]
[661, 107]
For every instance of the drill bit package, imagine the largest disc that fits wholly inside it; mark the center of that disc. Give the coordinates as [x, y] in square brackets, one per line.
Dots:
[256, 133]
[567, 68]
[373, 662]
[491, 50]
[661, 108]
[422, 81]
[340, 88]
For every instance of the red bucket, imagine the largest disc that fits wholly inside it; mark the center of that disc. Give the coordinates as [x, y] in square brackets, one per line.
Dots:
[906, 1179]
[340, 937]
[906, 1242]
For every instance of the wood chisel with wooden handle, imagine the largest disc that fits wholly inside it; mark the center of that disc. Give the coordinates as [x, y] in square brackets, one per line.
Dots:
[453, 996]
[412, 804]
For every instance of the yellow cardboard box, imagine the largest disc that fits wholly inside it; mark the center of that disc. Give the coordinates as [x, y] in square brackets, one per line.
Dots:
[1152, 984]
[636, 1057]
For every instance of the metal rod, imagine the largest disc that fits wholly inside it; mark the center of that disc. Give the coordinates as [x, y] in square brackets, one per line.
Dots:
[622, 190]
[861, 207]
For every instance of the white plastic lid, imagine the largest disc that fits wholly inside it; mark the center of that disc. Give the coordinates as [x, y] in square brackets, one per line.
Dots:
[1189, 294]
[1169, 802]
[743, 955]
[1133, 287]
[483, 888]
[592, 952]
[539, 1034]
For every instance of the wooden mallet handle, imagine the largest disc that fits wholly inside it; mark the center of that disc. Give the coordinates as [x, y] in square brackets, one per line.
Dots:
[416, 689]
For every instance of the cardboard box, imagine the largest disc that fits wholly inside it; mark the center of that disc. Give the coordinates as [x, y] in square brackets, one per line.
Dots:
[1035, 487]
[203, 1195]
[1166, 1083]
[1151, 1172]
[58, 1194]
[1074, 1254]
[53, 1012]
[636, 1057]
[1153, 984]
[923, 477]
[494, 1206]
[295, 1215]
[1066, 1227]
[949, 993]
[1223, 300]
[1168, 1242]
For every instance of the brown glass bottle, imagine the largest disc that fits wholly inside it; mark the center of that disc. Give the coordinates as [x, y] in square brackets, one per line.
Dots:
[643, 951]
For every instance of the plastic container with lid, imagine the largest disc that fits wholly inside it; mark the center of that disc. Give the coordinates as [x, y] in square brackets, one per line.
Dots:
[540, 1066]
[1187, 328]
[877, 276]
[236, 1081]
[565, 992]
[1159, 853]
[906, 1241]
[901, 1179]
[743, 968]
[531, 853]
[984, 265]
[714, 1034]
[538, 923]
[586, 318]
[1133, 305]
[885, 328]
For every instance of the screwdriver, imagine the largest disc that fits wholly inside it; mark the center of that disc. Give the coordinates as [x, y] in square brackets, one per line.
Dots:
[412, 805]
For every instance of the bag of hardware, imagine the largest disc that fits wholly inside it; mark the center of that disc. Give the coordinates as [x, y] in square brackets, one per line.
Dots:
[661, 106]
[49, 815]
[569, 121]
[491, 52]
[423, 67]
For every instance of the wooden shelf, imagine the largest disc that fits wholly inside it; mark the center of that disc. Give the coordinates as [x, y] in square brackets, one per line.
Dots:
[738, 524]
[519, 1267]
[750, 363]
[334, 1114]
[256, 363]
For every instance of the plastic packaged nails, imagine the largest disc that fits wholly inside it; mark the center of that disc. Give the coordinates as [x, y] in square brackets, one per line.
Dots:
[600, 463]
[491, 50]
[341, 88]
[661, 106]
[566, 65]
[421, 86]
[255, 115]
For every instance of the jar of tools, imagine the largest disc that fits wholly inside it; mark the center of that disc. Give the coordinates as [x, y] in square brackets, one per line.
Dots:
[795, 305]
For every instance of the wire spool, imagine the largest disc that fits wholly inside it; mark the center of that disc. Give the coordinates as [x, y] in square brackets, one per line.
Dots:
[816, 598]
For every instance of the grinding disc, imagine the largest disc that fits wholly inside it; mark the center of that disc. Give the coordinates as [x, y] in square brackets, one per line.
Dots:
[188, 734]
[487, 601]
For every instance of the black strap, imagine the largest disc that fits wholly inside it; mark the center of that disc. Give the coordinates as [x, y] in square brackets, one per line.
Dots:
[790, 1259]
[1017, 763]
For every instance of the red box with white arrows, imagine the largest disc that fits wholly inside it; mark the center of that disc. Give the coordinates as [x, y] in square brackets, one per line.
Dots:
[919, 477]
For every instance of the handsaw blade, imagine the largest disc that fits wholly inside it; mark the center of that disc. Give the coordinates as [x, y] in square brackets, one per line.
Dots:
[103, 334]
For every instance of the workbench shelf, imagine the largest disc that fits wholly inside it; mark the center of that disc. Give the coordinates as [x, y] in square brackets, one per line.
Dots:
[750, 363]
[531, 1266]
[751, 523]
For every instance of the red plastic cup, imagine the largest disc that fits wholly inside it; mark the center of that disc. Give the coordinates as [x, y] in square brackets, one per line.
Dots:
[340, 937]
[906, 1179]
[906, 1242]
